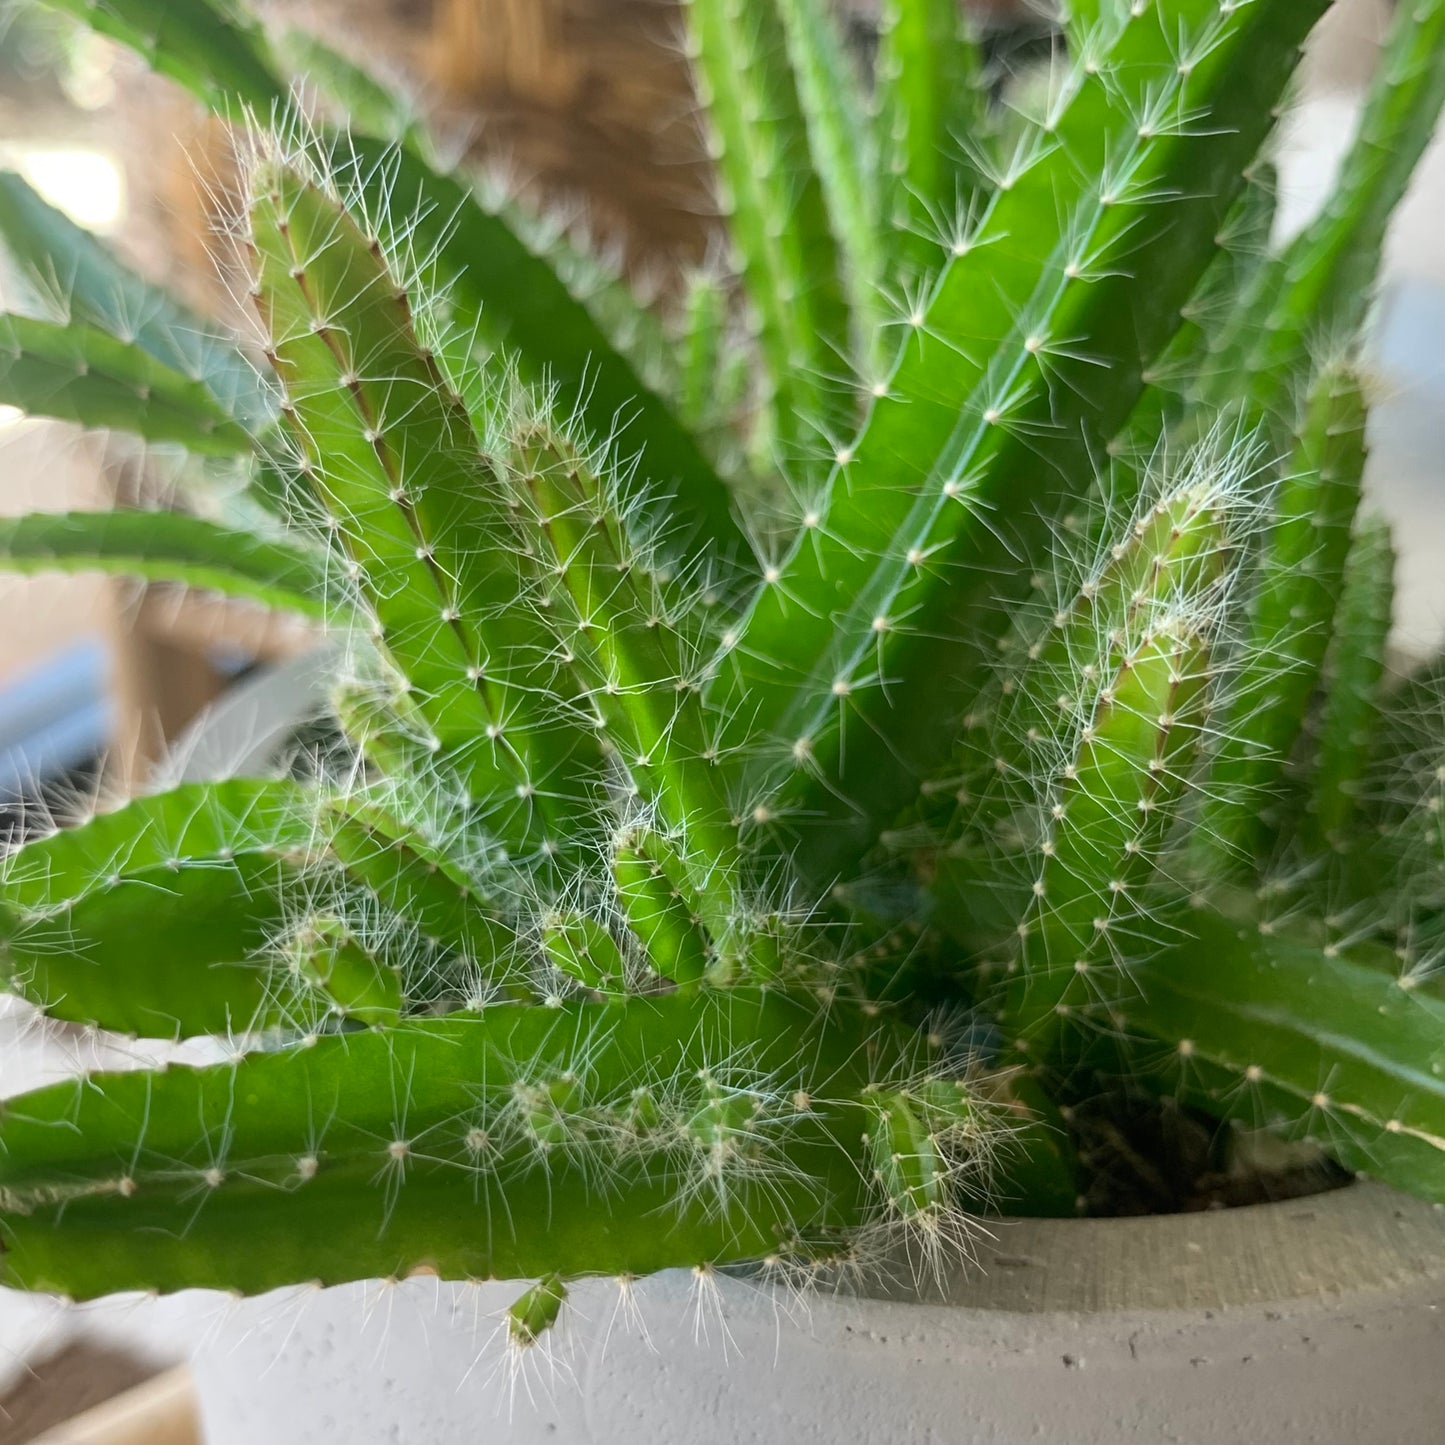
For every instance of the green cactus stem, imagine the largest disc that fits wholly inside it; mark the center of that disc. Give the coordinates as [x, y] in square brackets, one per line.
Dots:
[932, 114]
[65, 266]
[536, 1311]
[390, 454]
[1300, 579]
[174, 547]
[657, 909]
[844, 153]
[703, 878]
[148, 919]
[778, 219]
[583, 949]
[387, 1152]
[1265, 1031]
[883, 585]
[1356, 672]
[77, 373]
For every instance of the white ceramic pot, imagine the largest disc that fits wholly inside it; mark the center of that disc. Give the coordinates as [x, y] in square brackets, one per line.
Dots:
[1316, 1320]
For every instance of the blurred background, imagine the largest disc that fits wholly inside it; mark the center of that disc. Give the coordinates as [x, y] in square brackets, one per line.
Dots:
[587, 107]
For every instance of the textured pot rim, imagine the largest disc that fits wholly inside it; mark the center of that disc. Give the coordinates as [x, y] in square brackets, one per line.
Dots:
[1362, 1239]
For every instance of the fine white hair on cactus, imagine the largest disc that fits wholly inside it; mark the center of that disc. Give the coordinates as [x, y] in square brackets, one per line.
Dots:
[592, 940]
[535, 1368]
[627, 1316]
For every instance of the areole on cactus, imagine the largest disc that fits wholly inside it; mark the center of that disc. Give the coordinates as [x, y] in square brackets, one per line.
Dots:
[784, 752]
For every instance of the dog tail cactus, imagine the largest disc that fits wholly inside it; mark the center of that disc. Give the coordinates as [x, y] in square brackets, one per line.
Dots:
[775, 767]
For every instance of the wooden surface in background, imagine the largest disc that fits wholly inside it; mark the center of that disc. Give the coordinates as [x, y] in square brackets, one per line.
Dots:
[161, 1411]
[90, 1393]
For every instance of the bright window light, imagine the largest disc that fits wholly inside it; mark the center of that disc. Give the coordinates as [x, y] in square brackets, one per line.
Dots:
[85, 184]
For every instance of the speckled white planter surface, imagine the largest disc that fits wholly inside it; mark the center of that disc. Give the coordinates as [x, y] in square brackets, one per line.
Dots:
[1317, 1320]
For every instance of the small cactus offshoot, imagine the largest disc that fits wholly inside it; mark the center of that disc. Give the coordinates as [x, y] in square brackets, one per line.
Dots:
[785, 751]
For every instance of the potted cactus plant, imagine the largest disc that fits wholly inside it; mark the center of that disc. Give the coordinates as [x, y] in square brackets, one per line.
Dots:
[796, 762]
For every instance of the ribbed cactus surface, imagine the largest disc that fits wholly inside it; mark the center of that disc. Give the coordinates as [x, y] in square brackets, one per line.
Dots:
[785, 753]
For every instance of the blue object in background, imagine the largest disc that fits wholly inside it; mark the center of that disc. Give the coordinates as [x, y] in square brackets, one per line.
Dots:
[54, 718]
